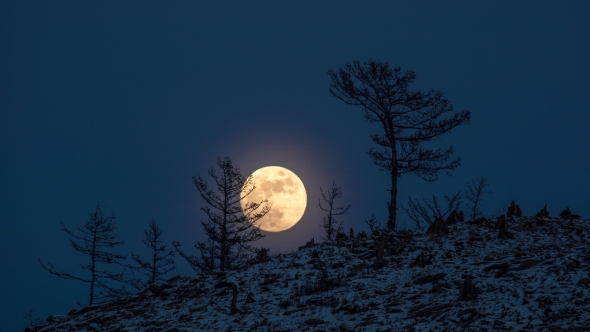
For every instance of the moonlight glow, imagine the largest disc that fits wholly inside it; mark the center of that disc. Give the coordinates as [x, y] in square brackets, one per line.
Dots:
[285, 194]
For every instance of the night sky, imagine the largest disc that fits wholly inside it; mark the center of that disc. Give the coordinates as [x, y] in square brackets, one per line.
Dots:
[123, 103]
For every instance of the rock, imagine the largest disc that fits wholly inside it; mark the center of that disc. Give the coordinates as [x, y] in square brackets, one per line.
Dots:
[455, 217]
[567, 214]
[421, 261]
[468, 290]
[72, 312]
[315, 254]
[154, 289]
[234, 299]
[351, 233]
[399, 247]
[505, 234]
[574, 264]
[262, 255]
[269, 279]
[87, 309]
[250, 298]
[419, 312]
[314, 321]
[513, 210]
[501, 222]
[174, 279]
[543, 213]
[340, 240]
[108, 320]
[438, 227]
[407, 236]
[223, 284]
[497, 266]
[319, 265]
[139, 311]
[528, 264]
[380, 260]
[309, 244]
[502, 225]
[429, 278]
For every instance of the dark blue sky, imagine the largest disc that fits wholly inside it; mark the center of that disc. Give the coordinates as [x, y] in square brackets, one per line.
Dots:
[122, 103]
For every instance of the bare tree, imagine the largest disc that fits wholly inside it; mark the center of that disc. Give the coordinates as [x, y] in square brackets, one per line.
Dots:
[474, 193]
[430, 210]
[159, 263]
[31, 319]
[330, 224]
[373, 224]
[407, 118]
[95, 240]
[229, 228]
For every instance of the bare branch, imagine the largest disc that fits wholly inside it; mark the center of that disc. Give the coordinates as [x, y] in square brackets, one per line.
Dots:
[430, 210]
[160, 262]
[330, 224]
[474, 193]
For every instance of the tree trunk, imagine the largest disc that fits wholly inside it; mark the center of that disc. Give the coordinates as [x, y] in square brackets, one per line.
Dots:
[91, 297]
[391, 205]
[93, 267]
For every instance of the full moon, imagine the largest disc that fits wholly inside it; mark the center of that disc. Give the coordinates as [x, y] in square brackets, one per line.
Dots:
[285, 194]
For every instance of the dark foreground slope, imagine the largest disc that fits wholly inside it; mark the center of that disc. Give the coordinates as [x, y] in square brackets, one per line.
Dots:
[534, 277]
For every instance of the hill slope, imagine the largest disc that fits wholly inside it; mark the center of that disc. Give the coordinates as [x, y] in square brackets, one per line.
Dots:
[533, 277]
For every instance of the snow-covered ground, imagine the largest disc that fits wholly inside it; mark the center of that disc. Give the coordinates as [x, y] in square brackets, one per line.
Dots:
[538, 280]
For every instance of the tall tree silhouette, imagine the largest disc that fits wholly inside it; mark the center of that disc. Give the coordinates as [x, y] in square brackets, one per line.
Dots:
[96, 240]
[330, 224]
[31, 319]
[228, 228]
[407, 119]
[160, 261]
[474, 194]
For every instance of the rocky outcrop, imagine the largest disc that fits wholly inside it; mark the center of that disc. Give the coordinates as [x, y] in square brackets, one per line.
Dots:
[455, 217]
[502, 225]
[567, 214]
[501, 222]
[249, 298]
[429, 278]
[438, 227]
[380, 260]
[399, 247]
[421, 260]
[262, 255]
[543, 213]
[468, 290]
[309, 244]
[513, 210]
[234, 299]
